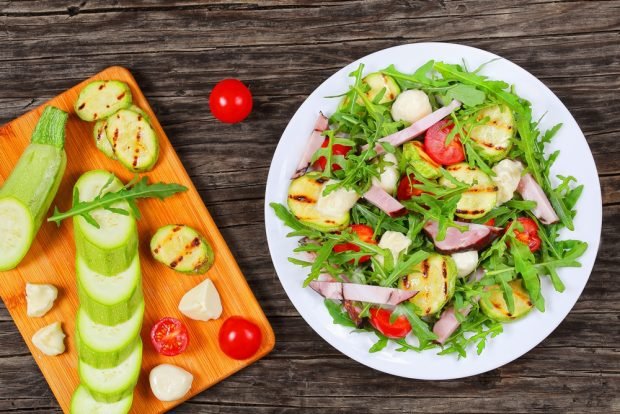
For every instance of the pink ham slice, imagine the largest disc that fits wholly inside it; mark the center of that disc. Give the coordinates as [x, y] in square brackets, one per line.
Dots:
[352, 309]
[476, 237]
[380, 198]
[448, 323]
[361, 293]
[314, 143]
[530, 190]
[417, 128]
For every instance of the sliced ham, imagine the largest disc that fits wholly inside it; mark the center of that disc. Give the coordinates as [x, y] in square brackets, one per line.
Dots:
[361, 293]
[530, 190]
[476, 237]
[380, 198]
[417, 128]
[448, 323]
[314, 143]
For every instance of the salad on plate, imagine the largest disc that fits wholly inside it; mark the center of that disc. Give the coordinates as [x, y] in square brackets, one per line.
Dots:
[426, 211]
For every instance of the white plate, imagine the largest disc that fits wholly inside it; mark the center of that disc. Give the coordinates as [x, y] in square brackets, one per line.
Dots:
[518, 337]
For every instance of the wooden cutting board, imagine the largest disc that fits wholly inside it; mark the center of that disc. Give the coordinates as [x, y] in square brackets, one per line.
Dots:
[52, 260]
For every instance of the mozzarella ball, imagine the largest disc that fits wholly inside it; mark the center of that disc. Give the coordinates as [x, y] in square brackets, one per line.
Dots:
[411, 106]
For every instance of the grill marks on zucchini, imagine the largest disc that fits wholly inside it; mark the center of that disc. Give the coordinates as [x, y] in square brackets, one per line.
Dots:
[133, 140]
[494, 138]
[100, 99]
[495, 307]
[481, 196]
[182, 248]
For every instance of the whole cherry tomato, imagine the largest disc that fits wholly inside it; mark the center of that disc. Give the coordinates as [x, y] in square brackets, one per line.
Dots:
[529, 235]
[365, 234]
[240, 338]
[169, 337]
[435, 144]
[337, 149]
[230, 101]
[380, 320]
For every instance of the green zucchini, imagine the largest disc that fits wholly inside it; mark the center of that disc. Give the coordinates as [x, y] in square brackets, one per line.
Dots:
[140, 111]
[109, 300]
[182, 248]
[29, 191]
[493, 139]
[303, 195]
[111, 248]
[101, 140]
[378, 82]
[83, 402]
[133, 140]
[420, 161]
[495, 307]
[100, 99]
[481, 196]
[435, 280]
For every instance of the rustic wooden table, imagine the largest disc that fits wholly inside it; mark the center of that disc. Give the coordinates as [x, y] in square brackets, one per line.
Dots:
[283, 50]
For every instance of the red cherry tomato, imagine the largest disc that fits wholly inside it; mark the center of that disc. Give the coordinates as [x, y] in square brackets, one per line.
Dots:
[490, 222]
[169, 337]
[365, 234]
[230, 101]
[435, 144]
[240, 338]
[380, 320]
[406, 189]
[529, 235]
[337, 149]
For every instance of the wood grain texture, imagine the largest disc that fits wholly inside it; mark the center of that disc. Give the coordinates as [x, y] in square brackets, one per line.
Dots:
[51, 259]
[283, 49]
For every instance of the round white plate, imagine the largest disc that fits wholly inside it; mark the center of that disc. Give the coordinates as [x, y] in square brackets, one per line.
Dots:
[518, 337]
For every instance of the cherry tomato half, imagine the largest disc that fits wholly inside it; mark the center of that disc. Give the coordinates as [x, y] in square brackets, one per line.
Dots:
[380, 320]
[435, 144]
[365, 234]
[240, 338]
[169, 337]
[230, 101]
[406, 189]
[337, 149]
[529, 235]
[490, 222]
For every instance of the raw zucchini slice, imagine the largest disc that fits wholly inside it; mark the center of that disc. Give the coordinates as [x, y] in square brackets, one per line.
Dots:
[495, 307]
[480, 198]
[303, 194]
[109, 300]
[494, 139]
[99, 359]
[112, 247]
[420, 161]
[133, 140]
[101, 140]
[435, 281]
[100, 99]
[17, 229]
[182, 248]
[84, 403]
[378, 82]
[114, 383]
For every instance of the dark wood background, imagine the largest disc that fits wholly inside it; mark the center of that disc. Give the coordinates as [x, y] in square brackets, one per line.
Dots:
[283, 50]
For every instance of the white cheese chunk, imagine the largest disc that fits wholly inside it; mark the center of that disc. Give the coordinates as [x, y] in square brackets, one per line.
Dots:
[395, 242]
[169, 382]
[202, 303]
[39, 299]
[337, 202]
[411, 106]
[507, 177]
[389, 177]
[50, 340]
[466, 262]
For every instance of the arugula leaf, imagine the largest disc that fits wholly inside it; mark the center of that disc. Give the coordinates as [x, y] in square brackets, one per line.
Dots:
[339, 315]
[380, 344]
[418, 326]
[466, 94]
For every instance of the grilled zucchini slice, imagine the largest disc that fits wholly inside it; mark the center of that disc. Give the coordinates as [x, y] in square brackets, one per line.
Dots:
[435, 281]
[493, 140]
[378, 82]
[182, 248]
[480, 198]
[303, 196]
[133, 140]
[420, 161]
[100, 99]
[101, 140]
[495, 307]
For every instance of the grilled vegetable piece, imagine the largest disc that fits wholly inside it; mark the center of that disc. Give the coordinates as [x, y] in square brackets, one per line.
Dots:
[83, 402]
[480, 198]
[495, 307]
[494, 138]
[140, 111]
[182, 248]
[101, 140]
[379, 82]
[303, 196]
[100, 99]
[29, 191]
[420, 161]
[133, 140]
[435, 280]
[111, 248]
